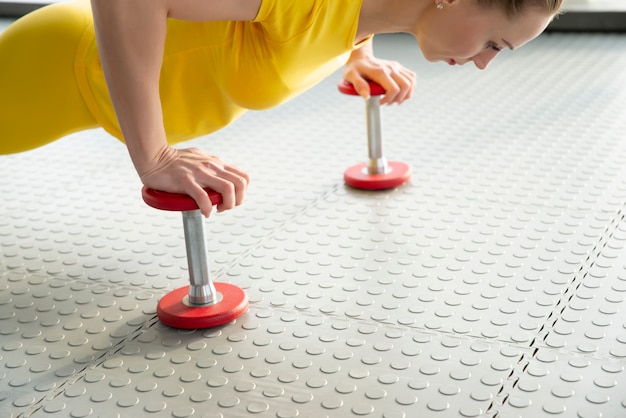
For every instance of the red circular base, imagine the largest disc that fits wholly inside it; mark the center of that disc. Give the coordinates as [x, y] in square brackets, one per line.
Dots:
[173, 312]
[358, 177]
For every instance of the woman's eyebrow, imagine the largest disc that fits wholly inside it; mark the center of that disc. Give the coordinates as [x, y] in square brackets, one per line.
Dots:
[508, 44]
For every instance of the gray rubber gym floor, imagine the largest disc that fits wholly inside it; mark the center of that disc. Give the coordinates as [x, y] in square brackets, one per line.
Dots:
[493, 284]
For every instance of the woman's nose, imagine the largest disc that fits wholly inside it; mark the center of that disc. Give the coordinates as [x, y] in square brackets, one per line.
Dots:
[482, 60]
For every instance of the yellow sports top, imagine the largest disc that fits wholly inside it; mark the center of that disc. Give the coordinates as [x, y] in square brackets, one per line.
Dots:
[213, 71]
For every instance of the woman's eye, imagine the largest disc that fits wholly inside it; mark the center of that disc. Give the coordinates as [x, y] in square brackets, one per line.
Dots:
[495, 47]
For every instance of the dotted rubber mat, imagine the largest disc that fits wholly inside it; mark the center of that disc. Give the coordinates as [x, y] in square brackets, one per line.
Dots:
[493, 284]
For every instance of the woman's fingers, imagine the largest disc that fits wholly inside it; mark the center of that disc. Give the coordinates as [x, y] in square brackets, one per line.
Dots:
[229, 181]
[240, 179]
[399, 85]
[202, 199]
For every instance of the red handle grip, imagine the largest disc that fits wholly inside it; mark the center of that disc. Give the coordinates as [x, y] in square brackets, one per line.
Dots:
[175, 201]
[347, 88]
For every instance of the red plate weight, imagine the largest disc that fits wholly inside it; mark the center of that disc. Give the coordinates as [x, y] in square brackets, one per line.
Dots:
[175, 201]
[347, 88]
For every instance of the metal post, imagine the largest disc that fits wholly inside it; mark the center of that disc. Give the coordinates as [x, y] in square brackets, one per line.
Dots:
[377, 163]
[201, 289]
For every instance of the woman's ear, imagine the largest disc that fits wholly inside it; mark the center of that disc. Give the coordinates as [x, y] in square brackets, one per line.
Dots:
[440, 4]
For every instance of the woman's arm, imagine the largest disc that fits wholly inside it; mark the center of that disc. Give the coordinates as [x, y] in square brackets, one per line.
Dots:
[131, 36]
[398, 81]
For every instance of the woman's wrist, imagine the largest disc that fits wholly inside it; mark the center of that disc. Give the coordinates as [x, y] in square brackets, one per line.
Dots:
[147, 161]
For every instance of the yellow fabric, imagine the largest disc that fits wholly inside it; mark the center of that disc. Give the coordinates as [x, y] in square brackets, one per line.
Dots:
[212, 71]
[39, 96]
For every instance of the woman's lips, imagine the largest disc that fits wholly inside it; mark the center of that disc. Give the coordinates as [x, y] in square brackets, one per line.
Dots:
[451, 62]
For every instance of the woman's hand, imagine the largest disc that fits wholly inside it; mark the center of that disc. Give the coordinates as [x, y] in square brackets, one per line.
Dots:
[189, 170]
[398, 81]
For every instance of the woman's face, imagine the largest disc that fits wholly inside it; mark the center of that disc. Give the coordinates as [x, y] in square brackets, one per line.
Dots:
[462, 31]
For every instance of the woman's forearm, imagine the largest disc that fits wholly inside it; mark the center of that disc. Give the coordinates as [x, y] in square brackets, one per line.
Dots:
[131, 36]
[131, 43]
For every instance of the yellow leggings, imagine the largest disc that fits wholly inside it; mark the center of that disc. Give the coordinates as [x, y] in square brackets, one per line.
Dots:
[39, 96]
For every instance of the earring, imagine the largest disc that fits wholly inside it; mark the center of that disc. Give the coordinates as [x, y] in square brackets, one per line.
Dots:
[440, 5]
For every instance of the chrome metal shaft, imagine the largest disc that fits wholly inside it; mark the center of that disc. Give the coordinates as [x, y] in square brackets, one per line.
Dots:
[377, 162]
[201, 289]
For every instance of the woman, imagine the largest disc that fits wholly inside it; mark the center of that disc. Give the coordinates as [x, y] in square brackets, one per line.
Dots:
[157, 72]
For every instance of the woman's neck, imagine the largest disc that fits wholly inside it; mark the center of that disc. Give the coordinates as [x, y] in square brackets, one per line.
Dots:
[390, 16]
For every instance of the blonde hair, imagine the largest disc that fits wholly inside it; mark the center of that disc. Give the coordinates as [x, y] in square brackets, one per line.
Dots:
[513, 8]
